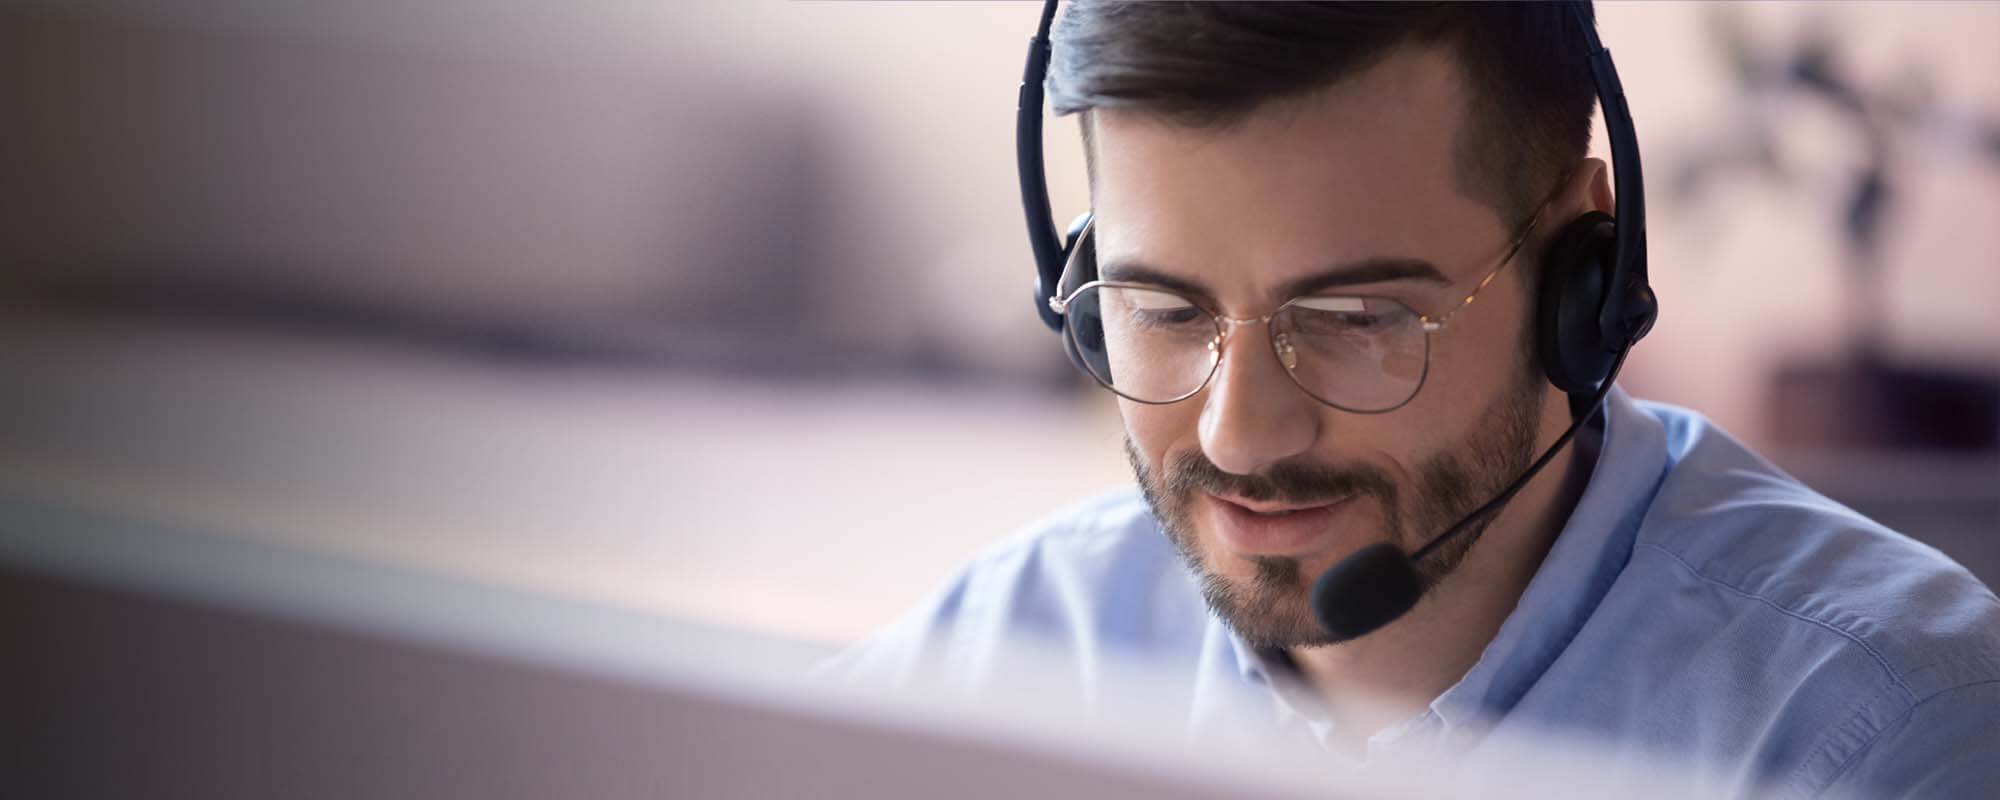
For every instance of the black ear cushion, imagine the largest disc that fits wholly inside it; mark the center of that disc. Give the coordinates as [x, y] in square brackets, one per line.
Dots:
[1576, 270]
[1076, 227]
[1086, 259]
[1069, 349]
[1046, 273]
[1086, 331]
[1085, 271]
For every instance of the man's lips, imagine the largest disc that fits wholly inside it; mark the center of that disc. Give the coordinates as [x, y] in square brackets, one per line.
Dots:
[1253, 528]
[1255, 507]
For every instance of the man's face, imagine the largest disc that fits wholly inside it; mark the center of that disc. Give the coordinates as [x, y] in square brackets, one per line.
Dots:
[1258, 484]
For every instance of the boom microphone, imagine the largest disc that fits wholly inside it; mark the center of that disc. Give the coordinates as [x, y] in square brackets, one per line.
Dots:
[1378, 584]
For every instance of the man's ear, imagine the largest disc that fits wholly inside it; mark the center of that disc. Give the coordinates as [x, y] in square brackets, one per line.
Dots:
[1589, 188]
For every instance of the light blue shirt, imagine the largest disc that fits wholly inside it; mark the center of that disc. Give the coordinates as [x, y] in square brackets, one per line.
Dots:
[1699, 603]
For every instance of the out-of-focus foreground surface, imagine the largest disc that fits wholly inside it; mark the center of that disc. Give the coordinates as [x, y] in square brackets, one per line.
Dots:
[720, 311]
[147, 659]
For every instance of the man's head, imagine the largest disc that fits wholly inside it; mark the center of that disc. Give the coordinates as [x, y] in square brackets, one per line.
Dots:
[1239, 149]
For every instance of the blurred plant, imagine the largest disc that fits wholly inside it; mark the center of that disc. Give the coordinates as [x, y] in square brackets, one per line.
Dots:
[1887, 116]
[1862, 397]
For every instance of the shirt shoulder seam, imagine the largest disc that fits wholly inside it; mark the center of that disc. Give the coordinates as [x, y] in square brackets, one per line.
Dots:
[1848, 763]
[1912, 701]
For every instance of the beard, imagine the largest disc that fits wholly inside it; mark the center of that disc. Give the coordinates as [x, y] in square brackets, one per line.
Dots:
[1270, 608]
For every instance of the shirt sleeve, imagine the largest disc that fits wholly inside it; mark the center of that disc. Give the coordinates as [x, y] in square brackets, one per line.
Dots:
[1948, 745]
[896, 653]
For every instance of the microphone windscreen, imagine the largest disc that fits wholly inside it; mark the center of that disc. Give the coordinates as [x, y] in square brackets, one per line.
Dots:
[1365, 591]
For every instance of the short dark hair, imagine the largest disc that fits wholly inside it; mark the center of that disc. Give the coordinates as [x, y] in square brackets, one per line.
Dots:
[1529, 90]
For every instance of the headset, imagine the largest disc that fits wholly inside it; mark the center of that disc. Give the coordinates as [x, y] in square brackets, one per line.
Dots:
[1593, 305]
[1595, 301]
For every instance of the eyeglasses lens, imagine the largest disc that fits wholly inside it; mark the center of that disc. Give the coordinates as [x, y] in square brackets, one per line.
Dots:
[1155, 346]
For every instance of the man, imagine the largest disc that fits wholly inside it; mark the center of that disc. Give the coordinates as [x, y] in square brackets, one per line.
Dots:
[1354, 207]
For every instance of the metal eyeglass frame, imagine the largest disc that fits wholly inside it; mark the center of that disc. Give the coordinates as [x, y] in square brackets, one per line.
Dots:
[1279, 348]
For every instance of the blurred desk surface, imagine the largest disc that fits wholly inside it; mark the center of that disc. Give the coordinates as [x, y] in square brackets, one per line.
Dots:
[807, 510]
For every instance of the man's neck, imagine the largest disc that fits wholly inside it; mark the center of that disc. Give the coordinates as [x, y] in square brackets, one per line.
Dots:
[1392, 674]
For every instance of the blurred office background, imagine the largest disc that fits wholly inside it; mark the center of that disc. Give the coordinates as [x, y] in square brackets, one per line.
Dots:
[721, 310]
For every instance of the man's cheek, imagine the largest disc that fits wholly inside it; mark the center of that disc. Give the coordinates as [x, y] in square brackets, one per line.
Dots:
[1154, 429]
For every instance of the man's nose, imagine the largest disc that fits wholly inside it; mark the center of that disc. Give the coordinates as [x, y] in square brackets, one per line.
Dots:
[1252, 414]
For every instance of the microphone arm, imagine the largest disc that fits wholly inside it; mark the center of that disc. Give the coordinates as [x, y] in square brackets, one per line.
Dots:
[1378, 584]
[1596, 404]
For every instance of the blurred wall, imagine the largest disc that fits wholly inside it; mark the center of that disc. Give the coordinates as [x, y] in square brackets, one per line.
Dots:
[791, 176]
[813, 179]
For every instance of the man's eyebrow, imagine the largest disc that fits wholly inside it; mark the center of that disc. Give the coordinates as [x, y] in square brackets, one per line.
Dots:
[1134, 272]
[1380, 269]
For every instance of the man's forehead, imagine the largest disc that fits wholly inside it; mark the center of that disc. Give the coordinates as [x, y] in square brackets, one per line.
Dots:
[1410, 90]
[1364, 169]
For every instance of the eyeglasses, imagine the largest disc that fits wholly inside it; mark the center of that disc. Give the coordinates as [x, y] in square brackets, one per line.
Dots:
[1148, 344]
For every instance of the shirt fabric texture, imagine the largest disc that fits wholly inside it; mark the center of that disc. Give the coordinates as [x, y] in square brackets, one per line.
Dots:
[1698, 604]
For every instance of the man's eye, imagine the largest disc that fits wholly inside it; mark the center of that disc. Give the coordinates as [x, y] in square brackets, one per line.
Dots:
[1167, 317]
[1335, 324]
[1348, 317]
[1147, 309]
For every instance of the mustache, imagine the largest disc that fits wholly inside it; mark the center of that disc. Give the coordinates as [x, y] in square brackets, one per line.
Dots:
[1287, 482]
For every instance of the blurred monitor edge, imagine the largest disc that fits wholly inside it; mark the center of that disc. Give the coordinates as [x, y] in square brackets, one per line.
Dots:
[158, 661]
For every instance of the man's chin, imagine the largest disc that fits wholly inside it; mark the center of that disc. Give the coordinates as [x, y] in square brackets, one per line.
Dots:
[1263, 599]
[1281, 626]
[1290, 571]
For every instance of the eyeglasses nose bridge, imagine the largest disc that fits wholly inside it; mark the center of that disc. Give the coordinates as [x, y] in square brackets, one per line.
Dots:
[1230, 324]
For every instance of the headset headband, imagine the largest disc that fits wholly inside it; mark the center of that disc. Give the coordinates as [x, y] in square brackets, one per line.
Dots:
[1034, 179]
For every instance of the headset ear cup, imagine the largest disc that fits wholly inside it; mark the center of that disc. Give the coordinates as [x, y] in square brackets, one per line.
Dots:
[1086, 330]
[1080, 257]
[1076, 227]
[1069, 349]
[1080, 252]
[1576, 270]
